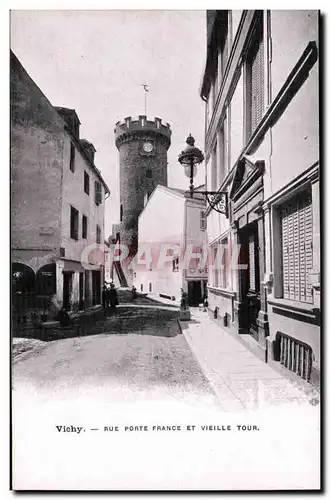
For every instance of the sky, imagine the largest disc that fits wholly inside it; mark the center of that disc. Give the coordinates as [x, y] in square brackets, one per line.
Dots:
[95, 61]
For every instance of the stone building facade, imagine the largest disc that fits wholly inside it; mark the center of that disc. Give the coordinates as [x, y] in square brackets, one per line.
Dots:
[260, 88]
[57, 201]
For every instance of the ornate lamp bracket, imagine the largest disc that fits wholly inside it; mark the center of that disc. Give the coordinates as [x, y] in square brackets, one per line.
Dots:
[218, 200]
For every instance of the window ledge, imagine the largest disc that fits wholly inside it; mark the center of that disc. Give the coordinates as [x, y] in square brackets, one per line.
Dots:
[292, 305]
[222, 291]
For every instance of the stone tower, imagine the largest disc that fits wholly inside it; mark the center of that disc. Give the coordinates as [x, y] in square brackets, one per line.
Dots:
[142, 146]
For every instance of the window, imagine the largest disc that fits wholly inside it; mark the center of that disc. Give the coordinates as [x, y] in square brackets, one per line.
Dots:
[72, 156]
[215, 270]
[74, 223]
[214, 180]
[214, 91]
[98, 193]
[141, 287]
[86, 182]
[223, 152]
[255, 80]
[98, 234]
[207, 113]
[202, 220]
[297, 247]
[222, 56]
[150, 287]
[220, 264]
[84, 226]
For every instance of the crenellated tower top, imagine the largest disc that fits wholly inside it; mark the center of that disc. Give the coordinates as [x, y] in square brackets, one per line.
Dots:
[141, 127]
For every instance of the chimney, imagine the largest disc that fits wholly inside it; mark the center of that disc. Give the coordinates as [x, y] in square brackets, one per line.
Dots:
[71, 119]
[88, 148]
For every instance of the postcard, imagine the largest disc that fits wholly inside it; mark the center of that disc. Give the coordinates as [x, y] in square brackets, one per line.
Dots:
[165, 250]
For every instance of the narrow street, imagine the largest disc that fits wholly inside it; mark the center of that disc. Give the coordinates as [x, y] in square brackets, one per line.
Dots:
[135, 351]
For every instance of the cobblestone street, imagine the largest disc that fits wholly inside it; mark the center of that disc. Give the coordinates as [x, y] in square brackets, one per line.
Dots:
[136, 351]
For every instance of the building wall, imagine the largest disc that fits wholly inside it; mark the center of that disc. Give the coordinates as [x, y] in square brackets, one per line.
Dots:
[288, 149]
[162, 220]
[290, 31]
[196, 237]
[294, 153]
[160, 223]
[43, 187]
[37, 137]
[74, 194]
[295, 141]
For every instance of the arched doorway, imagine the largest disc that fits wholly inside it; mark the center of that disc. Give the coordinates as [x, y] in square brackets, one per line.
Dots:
[23, 278]
[46, 280]
[23, 289]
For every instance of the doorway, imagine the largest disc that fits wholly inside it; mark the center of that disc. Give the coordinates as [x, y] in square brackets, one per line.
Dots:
[250, 279]
[67, 290]
[81, 291]
[194, 293]
[96, 287]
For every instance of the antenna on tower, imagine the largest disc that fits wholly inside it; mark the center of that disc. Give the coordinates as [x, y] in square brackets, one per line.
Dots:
[145, 88]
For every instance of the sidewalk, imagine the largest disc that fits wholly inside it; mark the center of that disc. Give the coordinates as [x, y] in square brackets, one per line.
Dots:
[239, 378]
[163, 300]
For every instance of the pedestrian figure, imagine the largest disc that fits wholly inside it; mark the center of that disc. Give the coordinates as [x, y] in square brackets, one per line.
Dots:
[206, 304]
[104, 297]
[133, 292]
[113, 297]
[63, 317]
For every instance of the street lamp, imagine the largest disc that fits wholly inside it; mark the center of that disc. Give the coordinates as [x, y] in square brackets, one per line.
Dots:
[190, 157]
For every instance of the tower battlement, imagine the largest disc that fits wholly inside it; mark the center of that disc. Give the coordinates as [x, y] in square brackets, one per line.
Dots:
[140, 126]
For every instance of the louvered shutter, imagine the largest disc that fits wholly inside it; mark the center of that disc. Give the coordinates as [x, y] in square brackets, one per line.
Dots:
[216, 265]
[252, 260]
[98, 193]
[297, 249]
[202, 220]
[257, 84]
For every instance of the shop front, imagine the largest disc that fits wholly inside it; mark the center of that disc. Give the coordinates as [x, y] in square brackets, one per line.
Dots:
[247, 222]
